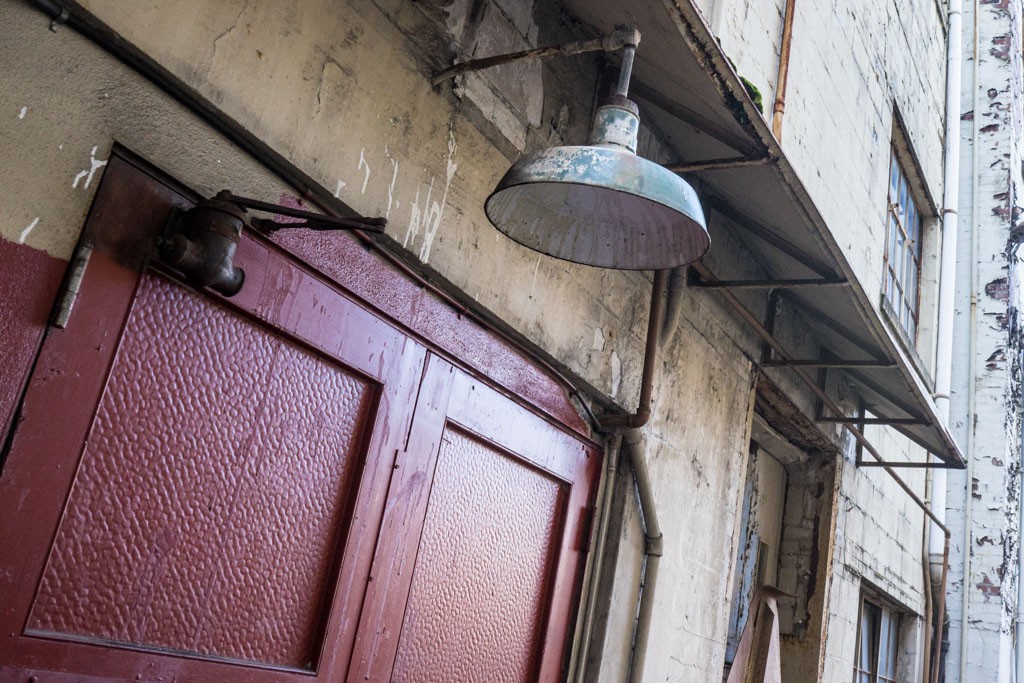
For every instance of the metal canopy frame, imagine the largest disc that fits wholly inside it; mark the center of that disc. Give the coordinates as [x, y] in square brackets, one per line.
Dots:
[687, 89]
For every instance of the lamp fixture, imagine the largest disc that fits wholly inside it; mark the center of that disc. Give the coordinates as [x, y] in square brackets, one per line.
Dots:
[600, 204]
[200, 243]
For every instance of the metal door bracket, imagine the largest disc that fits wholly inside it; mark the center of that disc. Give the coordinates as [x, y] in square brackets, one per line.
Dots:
[200, 243]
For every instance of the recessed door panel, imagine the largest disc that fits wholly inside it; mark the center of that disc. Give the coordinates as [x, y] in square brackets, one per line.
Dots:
[211, 495]
[479, 595]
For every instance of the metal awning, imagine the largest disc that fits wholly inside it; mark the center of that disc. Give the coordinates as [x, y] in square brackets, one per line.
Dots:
[686, 87]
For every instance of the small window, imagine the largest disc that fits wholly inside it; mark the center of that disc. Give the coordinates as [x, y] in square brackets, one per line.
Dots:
[903, 251]
[876, 644]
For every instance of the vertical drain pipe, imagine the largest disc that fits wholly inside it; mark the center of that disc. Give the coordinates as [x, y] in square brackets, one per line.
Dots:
[659, 331]
[783, 77]
[938, 542]
[653, 545]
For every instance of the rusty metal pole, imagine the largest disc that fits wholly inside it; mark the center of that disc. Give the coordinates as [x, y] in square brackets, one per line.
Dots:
[783, 78]
[941, 612]
[643, 410]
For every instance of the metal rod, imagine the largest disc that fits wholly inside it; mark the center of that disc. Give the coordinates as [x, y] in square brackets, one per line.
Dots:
[769, 284]
[702, 124]
[834, 325]
[829, 363]
[352, 223]
[874, 420]
[781, 352]
[906, 465]
[873, 386]
[720, 164]
[610, 43]
[769, 236]
[783, 78]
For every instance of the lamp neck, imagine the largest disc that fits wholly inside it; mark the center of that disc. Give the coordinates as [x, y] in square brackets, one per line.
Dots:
[616, 124]
[625, 71]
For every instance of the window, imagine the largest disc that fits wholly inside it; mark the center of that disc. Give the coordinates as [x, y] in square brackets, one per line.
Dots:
[903, 251]
[876, 644]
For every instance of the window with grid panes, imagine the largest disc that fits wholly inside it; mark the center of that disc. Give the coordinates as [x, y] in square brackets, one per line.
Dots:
[876, 644]
[903, 251]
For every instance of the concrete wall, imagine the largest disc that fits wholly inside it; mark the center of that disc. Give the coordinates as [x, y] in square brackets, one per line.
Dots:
[983, 499]
[341, 90]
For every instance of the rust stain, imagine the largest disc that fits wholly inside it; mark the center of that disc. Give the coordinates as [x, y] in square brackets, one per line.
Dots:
[987, 588]
[998, 289]
[1001, 47]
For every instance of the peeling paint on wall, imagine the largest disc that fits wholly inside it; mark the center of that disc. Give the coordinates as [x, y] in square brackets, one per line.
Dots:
[94, 165]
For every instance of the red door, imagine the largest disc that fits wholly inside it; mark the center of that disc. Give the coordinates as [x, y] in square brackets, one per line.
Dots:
[275, 485]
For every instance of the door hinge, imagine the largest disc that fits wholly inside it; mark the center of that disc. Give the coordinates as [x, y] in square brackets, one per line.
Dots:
[72, 283]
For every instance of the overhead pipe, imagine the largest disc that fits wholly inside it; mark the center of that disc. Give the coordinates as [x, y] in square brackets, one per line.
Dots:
[783, 77]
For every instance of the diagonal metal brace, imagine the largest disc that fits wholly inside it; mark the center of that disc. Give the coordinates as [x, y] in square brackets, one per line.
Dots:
[313, 221]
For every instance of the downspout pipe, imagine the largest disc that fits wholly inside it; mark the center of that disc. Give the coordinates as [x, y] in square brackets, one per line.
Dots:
[653, 547]
[1017, 307]
[779, 109]
[938, 537]
[947, 275]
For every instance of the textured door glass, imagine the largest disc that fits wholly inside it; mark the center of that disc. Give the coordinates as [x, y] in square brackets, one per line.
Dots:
[481, 581]
[208, 507]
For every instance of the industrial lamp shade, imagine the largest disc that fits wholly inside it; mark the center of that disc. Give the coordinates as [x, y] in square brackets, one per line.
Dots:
[600, 204]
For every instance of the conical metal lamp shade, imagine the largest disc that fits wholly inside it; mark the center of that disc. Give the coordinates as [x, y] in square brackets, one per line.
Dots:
[600, 204]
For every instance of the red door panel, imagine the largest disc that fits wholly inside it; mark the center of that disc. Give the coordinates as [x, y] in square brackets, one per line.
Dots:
[195, 483]
[497, 545]
[198, 477]
[477, 604]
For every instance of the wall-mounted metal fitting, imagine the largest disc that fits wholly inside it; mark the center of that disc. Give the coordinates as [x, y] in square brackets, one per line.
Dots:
[200, 243]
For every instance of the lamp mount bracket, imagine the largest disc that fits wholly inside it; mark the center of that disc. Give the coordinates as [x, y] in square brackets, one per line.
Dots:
[624, 37]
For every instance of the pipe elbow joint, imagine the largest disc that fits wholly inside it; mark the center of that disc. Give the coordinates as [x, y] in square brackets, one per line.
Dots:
[654, 546]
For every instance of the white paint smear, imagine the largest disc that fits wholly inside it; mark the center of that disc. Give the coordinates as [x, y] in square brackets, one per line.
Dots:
[94, 165]
[616, 373]
[21, 114]
[341, 186]
[391, 187]
[533, 285]
[364, 165]
[436, 212]
[26, 231]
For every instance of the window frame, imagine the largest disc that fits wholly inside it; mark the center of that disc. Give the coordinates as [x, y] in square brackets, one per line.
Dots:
[887, 624]
[903, 255]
